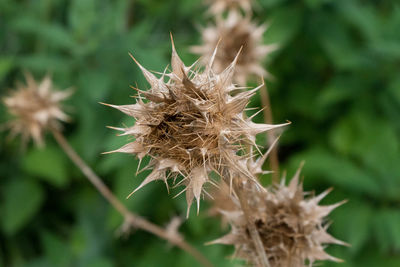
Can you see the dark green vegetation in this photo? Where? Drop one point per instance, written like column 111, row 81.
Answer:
column 337, row 79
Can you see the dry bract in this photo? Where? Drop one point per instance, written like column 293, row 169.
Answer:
column 292, row 227
column 190, row 124
column 36, row 107
column 232, row 33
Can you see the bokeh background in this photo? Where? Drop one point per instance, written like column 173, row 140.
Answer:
column 337, row 79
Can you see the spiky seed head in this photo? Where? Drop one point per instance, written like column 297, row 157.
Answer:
column 220, row 6
column 36, row 107
column 234, row 32
column 190, row 124
column 292, row 227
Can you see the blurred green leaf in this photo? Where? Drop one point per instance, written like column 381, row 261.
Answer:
column 387, row 230
column 56, row 250
column 6, row 63
column 44, row 62
column 353, row 222
column 49, row 34
column 363, row 16
column 341, row 49
column 340, row 89
column 22, row 199
column 100, row 262
column 282, row 30
column 82, row 17
column 48, row 164
column 336, row 78
column 356, row 132
column 394, row 88
column 39, row 262
column 95, row 84
column 270, row 3
column 338, row 171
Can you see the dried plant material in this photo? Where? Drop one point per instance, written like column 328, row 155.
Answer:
column 131, row 220
column 233, row 33
column 190, row 124
column 292, row 227
column 36, row 108
column 220, row 6
column 221, row 200
column 172, row 228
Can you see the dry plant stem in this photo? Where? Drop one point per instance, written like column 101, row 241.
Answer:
column 262, row 256
column 273, row 158
column 133, row 220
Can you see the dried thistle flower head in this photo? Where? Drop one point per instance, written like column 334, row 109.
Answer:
column 220, row 6
column 191, row 125
column 36, row 107
column 292, row 227
column 232, row 33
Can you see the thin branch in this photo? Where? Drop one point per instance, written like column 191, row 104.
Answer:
column 271, row 135
column 262, row 256
column 132, row 219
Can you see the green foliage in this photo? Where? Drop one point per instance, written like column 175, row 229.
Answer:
column 47, row 164
column 336, row 79
column 22, row 200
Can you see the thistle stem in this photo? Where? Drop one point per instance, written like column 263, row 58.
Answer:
column 262, row 256
column 131, row 218
column 271, row 136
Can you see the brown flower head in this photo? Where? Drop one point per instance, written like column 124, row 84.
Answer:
column 190, row 124
column 36, row 107
column 220, row 6
column 292, row 227
column 232, row 33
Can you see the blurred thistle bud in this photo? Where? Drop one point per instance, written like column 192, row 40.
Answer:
column 218, row 7
column 235, row 32
column 292, row 227
column 36, row 108
column 191, row 124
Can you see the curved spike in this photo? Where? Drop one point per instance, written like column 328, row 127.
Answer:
column 294, row 183
column 198, row 178
column 29, row 79
column 130, row 148
column 260, row 161
column 44, row 86
column 176, row 63
column 150, row 77
column 210, row 64
column 256, row 128
column 57, row 96
column 227, row 74
column 133, row 110
column 153, row 176
column 318, row 198
column 228, row 239
column 189, row 201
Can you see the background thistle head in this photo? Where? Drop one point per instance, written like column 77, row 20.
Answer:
column 292, row 226
column 35, row 107
column 232, row 33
